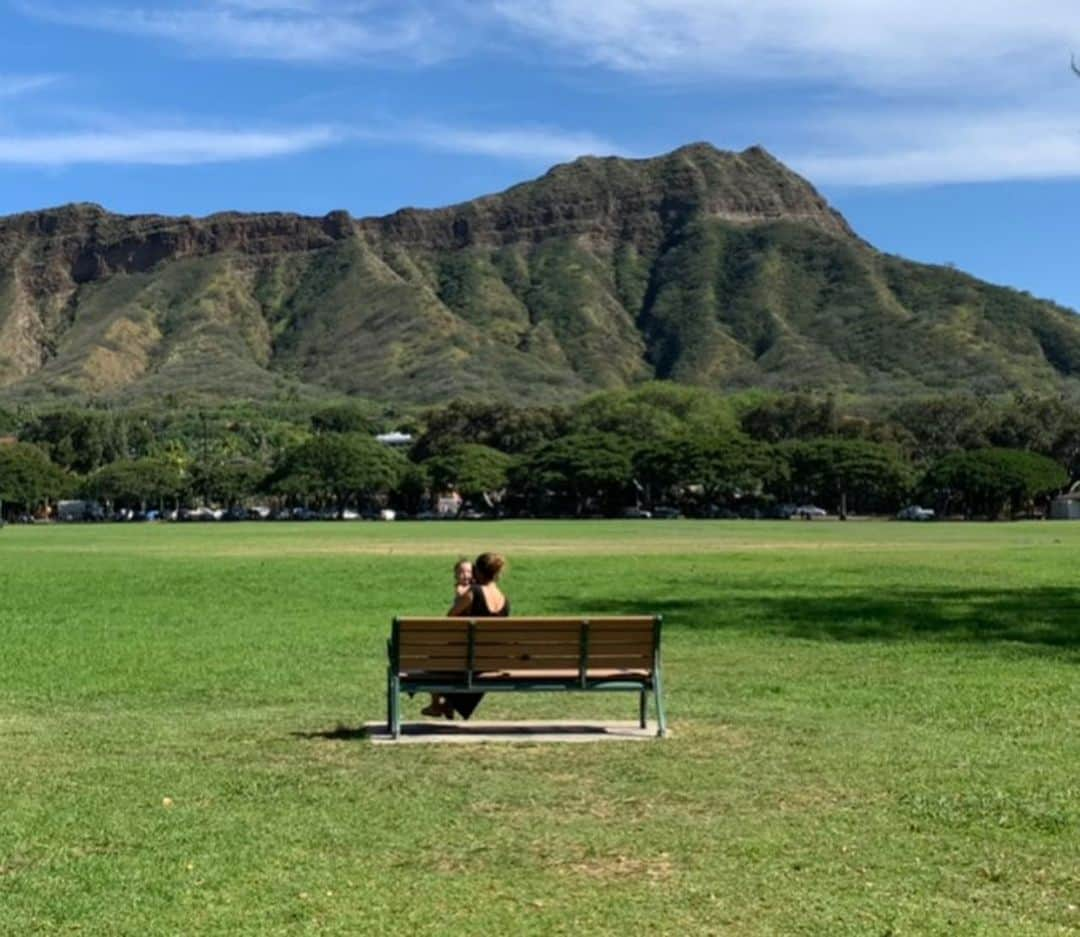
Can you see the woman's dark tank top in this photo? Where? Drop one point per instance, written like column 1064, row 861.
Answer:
column 480, row 607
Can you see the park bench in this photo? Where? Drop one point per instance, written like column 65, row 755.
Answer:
column 495, row 655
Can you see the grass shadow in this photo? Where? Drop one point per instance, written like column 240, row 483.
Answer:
column 1048, row 617
column 338, row 734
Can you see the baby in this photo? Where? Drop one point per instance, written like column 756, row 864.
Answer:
column 462, row 584
column 462, row 578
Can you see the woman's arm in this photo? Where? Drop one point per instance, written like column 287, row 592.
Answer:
column 462, row 604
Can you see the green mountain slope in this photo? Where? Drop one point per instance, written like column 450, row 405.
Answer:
column 705, row 267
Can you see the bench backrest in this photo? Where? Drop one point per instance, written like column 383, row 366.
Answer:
column 475, row 645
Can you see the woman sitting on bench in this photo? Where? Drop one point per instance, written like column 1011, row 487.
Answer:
column 483, row 599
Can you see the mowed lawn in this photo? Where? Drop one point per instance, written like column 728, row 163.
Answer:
column 875, row 730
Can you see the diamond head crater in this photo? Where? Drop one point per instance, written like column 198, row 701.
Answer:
column 724, row 270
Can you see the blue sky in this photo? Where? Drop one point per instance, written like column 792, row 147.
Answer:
column 946, row 133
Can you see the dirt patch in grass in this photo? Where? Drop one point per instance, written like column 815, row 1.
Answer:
column 654, row 870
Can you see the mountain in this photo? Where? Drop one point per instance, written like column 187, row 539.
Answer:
column 702, row 266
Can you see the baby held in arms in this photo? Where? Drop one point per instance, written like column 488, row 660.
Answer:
column 463, row 580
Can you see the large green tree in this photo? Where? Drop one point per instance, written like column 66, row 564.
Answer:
column 619, row 413
column 720, row 466
column 226, row 482
column 508, row 429
column 29, row 479
column 846, row 474
column 991, row 482
column 338, row 468
column 474, row 471
column 343, row 418
column 137, row 483
column 791, row 416
column 80, row 440
column 577, row 470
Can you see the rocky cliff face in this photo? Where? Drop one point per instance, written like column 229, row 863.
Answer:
column 703, row 266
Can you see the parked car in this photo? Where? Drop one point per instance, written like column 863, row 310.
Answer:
column 915, row 513
column 636, row 513
column 783, row 512
column 716, row 512
column 810, row 510
column 666, row 512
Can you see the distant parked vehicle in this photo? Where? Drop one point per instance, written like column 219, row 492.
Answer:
column 717, row 512
column 665, row 512
column 915, row 513
column 636, row 513
column 783, row 512
column 810, row 510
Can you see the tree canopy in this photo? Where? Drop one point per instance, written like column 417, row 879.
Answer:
column 136, row 483
column 28, row 478
column 847, row 474
column 990, row 482
column 339, row 468
column 472, row 470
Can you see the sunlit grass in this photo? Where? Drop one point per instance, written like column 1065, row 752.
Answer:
column 875, row 728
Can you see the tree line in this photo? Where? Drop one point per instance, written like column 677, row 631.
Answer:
column 660, row 443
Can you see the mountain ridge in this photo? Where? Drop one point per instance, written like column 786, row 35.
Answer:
column 702, row 266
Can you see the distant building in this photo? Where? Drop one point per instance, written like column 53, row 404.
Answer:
column 395, row 439
column 1066, row 507
column 448, row 505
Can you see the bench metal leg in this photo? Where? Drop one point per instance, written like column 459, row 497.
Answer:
column 643, row 709
column 389, row 703
column 393, row 705
column 658, row 690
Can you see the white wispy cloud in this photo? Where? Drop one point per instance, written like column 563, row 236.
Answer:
column 13, row 86
column 874, row 150
column 869, row 43
column 115, row 142
column 282, row 30
column 168, row 147
column 935, row 92
column 541, row 144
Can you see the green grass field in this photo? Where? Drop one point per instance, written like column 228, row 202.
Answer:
column 875, row 730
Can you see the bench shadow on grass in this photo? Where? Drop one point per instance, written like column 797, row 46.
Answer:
column 338, row 734
column 1047, row 617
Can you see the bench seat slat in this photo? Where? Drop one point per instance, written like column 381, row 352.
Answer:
column 634, row 645
column 458, row 664
column 565, row 674
column 532, row 621
column 542, row 663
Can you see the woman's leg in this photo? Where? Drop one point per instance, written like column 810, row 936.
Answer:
column 439, row 706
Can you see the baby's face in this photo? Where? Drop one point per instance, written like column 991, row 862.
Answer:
column 464, row 574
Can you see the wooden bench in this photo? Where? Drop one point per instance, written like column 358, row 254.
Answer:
column 496, row 655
